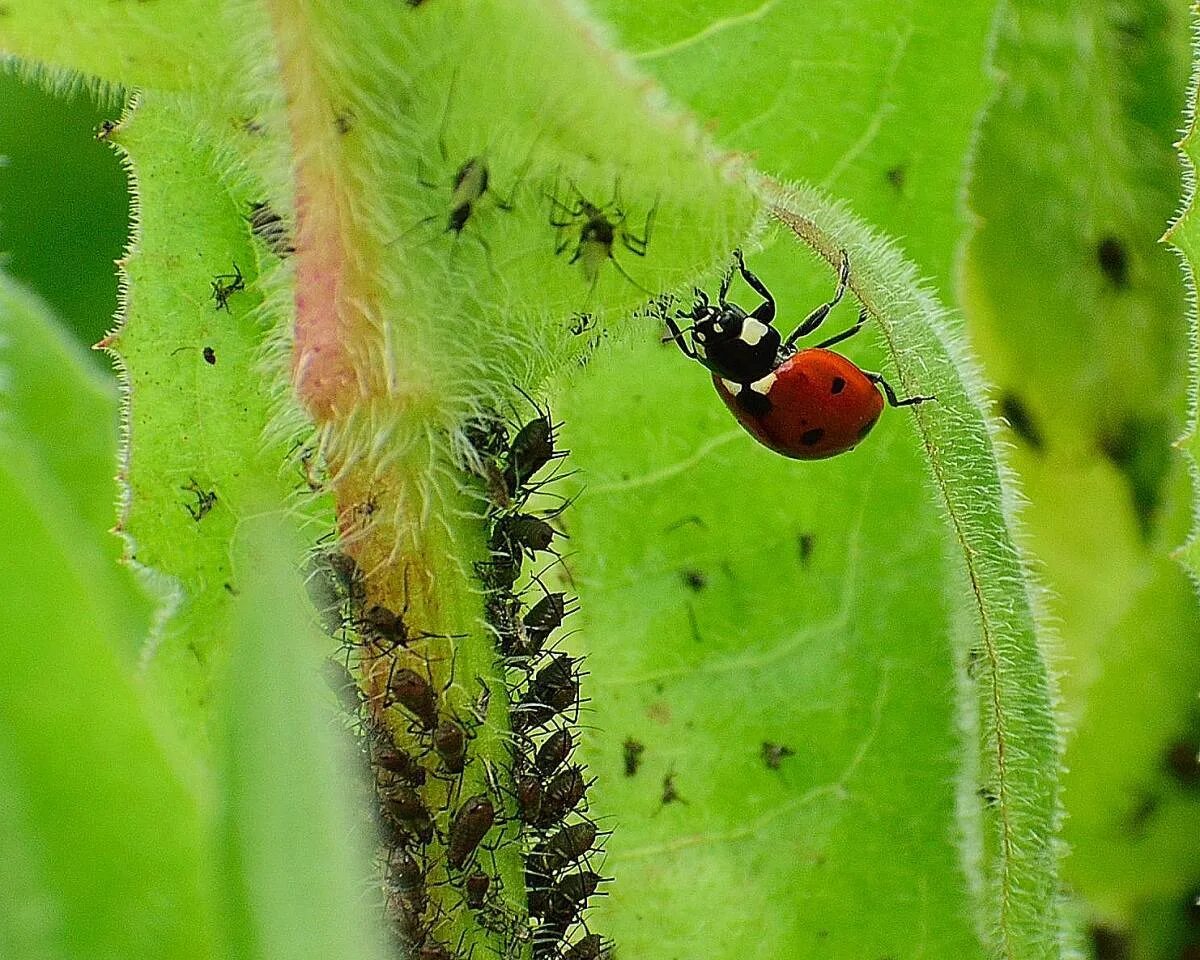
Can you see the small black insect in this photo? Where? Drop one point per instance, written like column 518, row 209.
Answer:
column 205, row 500
column 472, row 822
column 553, row 690
column 521, row 533
column 270, row 228
column 529, row 796
column 632, row 750
column 543, row 618
column 341, row 681
column 562, row 848
column 210, row 356
column 595, row 231
column 225, row 285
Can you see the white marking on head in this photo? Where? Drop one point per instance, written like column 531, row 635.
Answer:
column 752, row 331
column 697, row 334
column 764, row 385
column 731, row 386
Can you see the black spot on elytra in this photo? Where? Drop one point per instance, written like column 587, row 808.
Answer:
column 1113, row 258
column 837, row 386
column 812, row 437
column 1020, row 419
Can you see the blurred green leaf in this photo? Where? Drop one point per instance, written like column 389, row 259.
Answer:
column 102, row 842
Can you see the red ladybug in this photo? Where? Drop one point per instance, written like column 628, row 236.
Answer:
column 807, row 404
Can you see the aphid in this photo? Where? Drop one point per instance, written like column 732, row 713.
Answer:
column 407, row 815
column 1113, row 259
column 670, row 792
column 774, row 754
column 270, row 228
column 399, row 763
column 476, row 886
column 566, row 899
column 472, row 822
column 561, row 796
column 416, row 694
column 404, row 871
column 554, row 690
column 587, row 948
column 349, row 577
column 225, row 285
column 565, row 847
column 517, row 533
column 210, row 356
column 632, row 751
column 529, row 795
column 205, row 500
column 595, row 230
column 500, row 572
column 543, row 618
column 341, row 681
column 695, row 579
column 554, row 752
column 531, row 449
column 805, row 404
column 450, row 742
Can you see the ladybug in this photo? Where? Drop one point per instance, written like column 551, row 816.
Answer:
column 805, row 404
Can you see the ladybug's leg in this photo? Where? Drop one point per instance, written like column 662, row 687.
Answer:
column 817, row 317
column 891, row 394
column 845, row 334
column 676, row 337
column 765, row 311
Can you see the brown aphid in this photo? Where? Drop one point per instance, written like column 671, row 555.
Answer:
column 554, row 752
column 477, row 886
column 472, row 822
column 450, row 742
column 532, row 448
column 416, row 694
column 588, row 948
column 561, row 796
column 406, row 815
column 529, row 794
column 400, row 764
column 565, row 847
column 543, row 618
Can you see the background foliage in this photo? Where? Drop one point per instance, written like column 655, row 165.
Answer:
column 1022, row 156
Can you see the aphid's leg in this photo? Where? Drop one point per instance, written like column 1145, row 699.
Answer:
column 765, row 311
column 817, row 317
column 635, row 244
column 891, row 394
column 845, row 334
column 625, row 273
column 677, row 338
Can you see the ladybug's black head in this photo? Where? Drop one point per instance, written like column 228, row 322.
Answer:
column 732, row 344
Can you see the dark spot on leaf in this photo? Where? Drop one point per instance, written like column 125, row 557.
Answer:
column 805, row 543
column 812, row 437
column 1113, row 258
column 774, row 754
column 670, row 793
column 837, row 386
column 896, row 176
column 1182, row 763
column 1141, row 449
column 1020, row 419
column 210, row 355
column 695, row 579
column 989, row 796
column 1109, row 943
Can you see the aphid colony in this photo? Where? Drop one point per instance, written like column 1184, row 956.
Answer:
column 452, row 843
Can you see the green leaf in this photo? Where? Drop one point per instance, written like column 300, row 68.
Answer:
column 102, row 841
column 295, row 857
column 1080, row 314
column 832, row 617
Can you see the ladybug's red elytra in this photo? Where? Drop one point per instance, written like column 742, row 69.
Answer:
column 805, row 404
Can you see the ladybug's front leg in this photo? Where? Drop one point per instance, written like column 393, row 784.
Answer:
column 677, row 338
column 765, row 311
column 817, row 317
